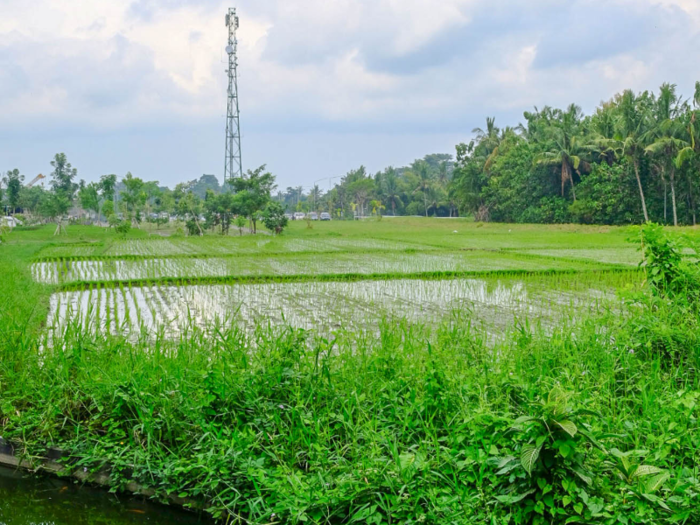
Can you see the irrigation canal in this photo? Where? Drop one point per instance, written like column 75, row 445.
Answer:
column 27, row 499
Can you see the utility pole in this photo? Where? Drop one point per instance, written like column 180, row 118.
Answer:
column 232, row 163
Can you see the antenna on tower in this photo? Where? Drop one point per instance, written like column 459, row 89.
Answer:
column 232, row 163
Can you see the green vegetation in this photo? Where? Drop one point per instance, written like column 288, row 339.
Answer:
column 581, row 412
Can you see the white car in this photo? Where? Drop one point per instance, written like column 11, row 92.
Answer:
column 299, row 216
column 313, row 216
column 325, row 216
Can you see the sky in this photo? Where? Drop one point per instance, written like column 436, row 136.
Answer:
column 325, row 85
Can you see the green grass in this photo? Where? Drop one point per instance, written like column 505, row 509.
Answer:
column 401, row 422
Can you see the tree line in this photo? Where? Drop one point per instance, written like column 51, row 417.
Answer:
column 126, row 203
column 635, row 159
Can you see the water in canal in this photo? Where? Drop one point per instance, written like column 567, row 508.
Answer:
column 33, row 500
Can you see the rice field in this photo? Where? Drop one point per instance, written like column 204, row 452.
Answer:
column 390, row 263
column 352, row 276
column 327, row 306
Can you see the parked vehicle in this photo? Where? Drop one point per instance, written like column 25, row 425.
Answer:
column 325, row 216
column 299, row 216
column 313, row 216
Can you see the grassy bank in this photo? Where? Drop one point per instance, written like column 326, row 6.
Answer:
column 406, row 424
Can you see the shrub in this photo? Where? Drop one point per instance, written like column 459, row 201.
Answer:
column 273, row 217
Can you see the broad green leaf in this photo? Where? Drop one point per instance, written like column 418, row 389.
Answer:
column 655, row 483
column 514, row 499
column 565, row 450
column 406, row 460
column 504, row 461
column 646, row 470
column 586, row 479
column 655, row 499
column 568, row 426
column 528, row 457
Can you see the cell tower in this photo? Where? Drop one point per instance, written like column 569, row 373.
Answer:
column 232, row 165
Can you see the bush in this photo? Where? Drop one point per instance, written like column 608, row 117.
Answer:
column 273, row 217
column 415, row 208
column 123, row 227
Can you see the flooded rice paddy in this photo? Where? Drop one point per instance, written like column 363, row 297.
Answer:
column 307, row 264
column 323, row 306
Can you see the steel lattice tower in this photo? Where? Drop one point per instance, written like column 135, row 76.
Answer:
column 232, row 164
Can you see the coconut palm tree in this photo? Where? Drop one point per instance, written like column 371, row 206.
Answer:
column 633, row 123
column 565, row 147
column 391, row 190
column 425, row 181
column 691, row 151
column 667, row 148
column 665, row 139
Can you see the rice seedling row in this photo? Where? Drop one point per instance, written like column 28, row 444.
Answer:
column 391, row 263
column 324, row 305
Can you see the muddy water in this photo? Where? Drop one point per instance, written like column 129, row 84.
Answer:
column 31, row 500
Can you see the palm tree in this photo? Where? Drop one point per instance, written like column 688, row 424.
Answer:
column 667, row 148
column 489, row 141
column 692, row 150
column 488, row 137
column 315, row 195
column 565, row 147
column 443, row 174
column 633, row 126
column 665, row 139
column 390, row 188
column 425, row 182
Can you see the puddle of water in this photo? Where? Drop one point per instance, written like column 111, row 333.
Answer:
column 32, row 500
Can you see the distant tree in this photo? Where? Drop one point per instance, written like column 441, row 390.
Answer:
column 204, row 184
column 253, row 192
column 220, row 209
column 108, row 184
column 360, row 190
column 390, row 189
column 240, row 223
column 108, row 209
column 565, row 147
column 133, row 196
column 421, row 169
column 89, row 197
column 666, row 139
column 188, row 207
column 274, row 218
column 633, row 127
column 13, row 181
column 55, row 208
column 63, row 175
column 31, row 199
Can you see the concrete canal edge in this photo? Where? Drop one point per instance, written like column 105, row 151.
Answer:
column 49, row 464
